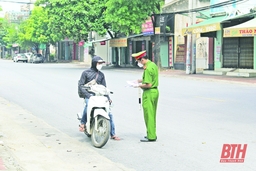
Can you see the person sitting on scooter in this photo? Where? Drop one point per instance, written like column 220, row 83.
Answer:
column 87, row 76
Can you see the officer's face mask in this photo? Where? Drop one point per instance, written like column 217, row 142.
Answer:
column 140, row 64
column 99, row 66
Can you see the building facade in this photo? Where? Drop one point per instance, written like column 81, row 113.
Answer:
column 202, row 48
column 230, row 30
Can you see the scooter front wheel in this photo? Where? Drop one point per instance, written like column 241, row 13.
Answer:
column 100, row 136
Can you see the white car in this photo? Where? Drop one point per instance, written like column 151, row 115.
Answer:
column 20, row 57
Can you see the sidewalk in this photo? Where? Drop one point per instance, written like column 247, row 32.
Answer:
column 227, row 79
column 29, row 144
column 182, row 74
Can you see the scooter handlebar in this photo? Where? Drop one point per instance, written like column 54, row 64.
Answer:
column 98, row 89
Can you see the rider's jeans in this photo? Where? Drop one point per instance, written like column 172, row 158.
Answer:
column 84, row 118
column 112, row 125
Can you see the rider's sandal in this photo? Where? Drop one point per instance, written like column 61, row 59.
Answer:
column 81, row 128
column 115, row 138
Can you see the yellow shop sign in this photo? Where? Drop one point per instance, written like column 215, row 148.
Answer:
column 240, row 32
column 122, row 42
column 201, row 29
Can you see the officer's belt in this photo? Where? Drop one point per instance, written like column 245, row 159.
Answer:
column 150, row 88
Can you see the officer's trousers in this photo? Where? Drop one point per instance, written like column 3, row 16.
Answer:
column 149, row 104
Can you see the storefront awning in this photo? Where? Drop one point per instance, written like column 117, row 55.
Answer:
column 246, row 29
column 208, row 25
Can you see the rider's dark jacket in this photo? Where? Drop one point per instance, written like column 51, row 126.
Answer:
column 88, row 75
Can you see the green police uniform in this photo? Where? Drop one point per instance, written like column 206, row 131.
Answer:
column 150, row 98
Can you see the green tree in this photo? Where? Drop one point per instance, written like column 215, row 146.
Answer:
column 11, row 35
column 8, row 33
column 35, row 30
column 24, row 35
column 98, row 23
column 76, row 19
column 67, row 18
column 127, row 17
column 2, row 30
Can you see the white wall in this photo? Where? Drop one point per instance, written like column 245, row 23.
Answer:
column 87, row 56
column 101, row 50
column 168, row 1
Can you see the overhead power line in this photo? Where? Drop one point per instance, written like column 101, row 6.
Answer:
column 230, row 2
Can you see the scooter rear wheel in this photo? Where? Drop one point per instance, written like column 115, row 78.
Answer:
column 100, row 136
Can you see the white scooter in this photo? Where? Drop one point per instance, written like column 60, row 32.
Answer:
column 98, row 121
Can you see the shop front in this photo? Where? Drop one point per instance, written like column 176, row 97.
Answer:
column 119, row 51
column 208, row 34
column 239, row 50
column 231, row 41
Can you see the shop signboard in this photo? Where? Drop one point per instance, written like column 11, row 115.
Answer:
column 87, row 44
column 240, row 32
column 122, row 42
column 247, row 29
column 147, row 27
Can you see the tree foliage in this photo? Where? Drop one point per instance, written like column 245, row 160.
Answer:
column 10, row 35
column 6, row 29
column 96, row 16
column 75, row 19
column 127, row 16
column 2, row 30
column 67, row 18
column 35, row 30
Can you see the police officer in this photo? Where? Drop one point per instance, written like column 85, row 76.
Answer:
column 149, row 84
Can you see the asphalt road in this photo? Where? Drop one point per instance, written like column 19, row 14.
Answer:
column 195, row 117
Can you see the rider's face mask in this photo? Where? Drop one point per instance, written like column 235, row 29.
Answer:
column 99, row 66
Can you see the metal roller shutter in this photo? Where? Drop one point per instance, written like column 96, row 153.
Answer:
column 230, row 52
column 238, row 52
column 246, row 53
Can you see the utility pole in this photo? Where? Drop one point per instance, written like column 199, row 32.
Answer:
column 157, row 47
column 157, row 38
column 193, row 64
column 189, row 42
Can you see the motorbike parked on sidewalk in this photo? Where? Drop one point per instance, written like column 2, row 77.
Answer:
column 98, row 121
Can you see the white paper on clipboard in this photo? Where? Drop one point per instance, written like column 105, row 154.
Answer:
column 133, row 83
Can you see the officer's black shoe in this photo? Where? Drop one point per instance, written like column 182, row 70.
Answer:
column 147, row 137
column 147, row 140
